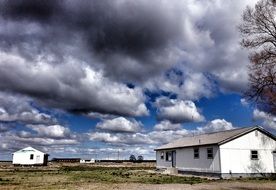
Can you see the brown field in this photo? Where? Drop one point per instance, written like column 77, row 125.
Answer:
column 115, row 176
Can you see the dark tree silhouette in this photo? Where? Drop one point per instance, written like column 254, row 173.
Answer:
column 140, row 158
column 132, row 158
column 258, row 31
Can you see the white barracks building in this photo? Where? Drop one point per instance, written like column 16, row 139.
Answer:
column 233, row 153
column 29, row 156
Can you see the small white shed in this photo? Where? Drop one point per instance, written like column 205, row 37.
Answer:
column 232, row 153
column 91, row 161
column 29, row 156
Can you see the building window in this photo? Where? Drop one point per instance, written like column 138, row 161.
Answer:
column 162, row 155
column 168, row 156
column 256, row 133
column 210, row 153
column 31, row 157
column 254, row 155
column 196, row 153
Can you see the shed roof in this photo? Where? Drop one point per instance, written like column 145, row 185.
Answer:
column 211, row 138
column 28, row 149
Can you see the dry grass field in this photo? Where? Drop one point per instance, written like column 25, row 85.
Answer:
column 114, row 176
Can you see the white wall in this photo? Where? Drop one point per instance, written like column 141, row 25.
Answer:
column 236, row 155
column 23, row 158
column 162, row 163
column 185, row 160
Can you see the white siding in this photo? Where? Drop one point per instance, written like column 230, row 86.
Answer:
column 162, row 163
column 236, row 154
column 185, row 160
column 23, row 158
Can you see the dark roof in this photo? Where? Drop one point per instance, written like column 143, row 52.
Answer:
column 218, row 138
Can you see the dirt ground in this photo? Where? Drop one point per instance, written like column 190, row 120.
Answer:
column 207, row 186
column 138, row 186
column 115, row 176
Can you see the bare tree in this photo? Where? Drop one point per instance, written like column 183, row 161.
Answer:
column 258, row 30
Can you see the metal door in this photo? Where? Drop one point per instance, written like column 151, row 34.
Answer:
column 173, row 158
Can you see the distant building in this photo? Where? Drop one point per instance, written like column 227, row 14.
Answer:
column 70, row 160
column 87, row 161
column 232, row 153
column 29, row 156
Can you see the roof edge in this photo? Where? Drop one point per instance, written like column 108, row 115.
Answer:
column 200, row 145
column 249, row 129
column 29, row 147
column 257, row 127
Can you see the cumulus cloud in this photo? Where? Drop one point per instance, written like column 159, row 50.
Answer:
column 25, row 117
column 45, row 138
column 38, row 141
column 19, row 109
column 80, row 56
column 149, row 140
column 186, row 84
column 166, row 126
column 120, row 124
column 126, row 48
column 109, row 36
column 96, row 115
column 163, row 137
column 244, row 102
column 268, row 120
column 17, row 140
column 4, row 127
column 122, row 132
column 163, row 132
column 177, row 111
column 121, row 138
column 60, row 86
column 215, row 125
column 138, row 139
column 217, row 43
column 166, row 136
column 35, row 128
column 51, row 131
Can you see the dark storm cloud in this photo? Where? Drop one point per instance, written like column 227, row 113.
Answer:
column 66, row 54
column 131, row 39
column 79, row 55
column 41, row 10
column 69, row 85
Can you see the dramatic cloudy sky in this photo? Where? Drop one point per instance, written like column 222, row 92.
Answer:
column 93, row 78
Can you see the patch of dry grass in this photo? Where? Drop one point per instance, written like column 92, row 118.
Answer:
column 99, row 177
column 67, row 177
